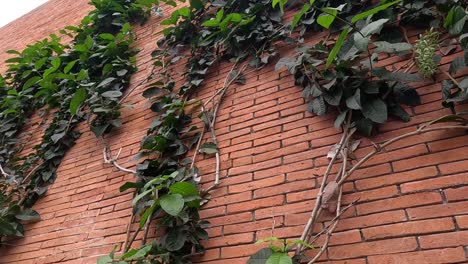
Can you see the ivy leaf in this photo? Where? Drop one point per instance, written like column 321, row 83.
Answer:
column 400, row 48
column 375, row 109
column 77, row 100
column 111, row 94
column 69, row 66
column 288, row 62
column 372, row 11
column 364, row 126
column 55, row 65
column 340, row 119
column 406, row 95
column 337, row 47
column 329, row 15
column 398, row 111
column 317, row 106
column 174, row 239
column 140, row 196
column 373, row 28
column 104, row 260
column 297, row 17
column 56, row 137
column 105, row 82
column 172, row 203
column 384, row 74
column 261, row 256
column 354, row 102
column 457, row 64
column 28, row 214
column 30, row 82
column 150, row 92
column 209, row 148
column 279, row 258
column 183, row 188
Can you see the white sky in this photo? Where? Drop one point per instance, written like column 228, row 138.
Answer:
column 13, row 9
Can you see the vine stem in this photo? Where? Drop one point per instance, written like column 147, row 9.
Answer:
column 3, row 172
column 113, row 160
column 211, row 123
column 318, row 201
column 344, row 174
column 379, row 148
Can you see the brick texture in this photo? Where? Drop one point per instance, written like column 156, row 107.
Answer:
column 413, row 205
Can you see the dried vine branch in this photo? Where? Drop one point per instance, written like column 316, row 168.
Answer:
column 113, row 160
column 343, row 174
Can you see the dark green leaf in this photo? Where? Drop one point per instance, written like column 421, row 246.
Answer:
column 260, row 257
column 77, row 100
column 374, row 109
column 172, row 203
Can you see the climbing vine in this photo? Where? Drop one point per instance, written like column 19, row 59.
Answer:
column 91, row 73
column 340, row 77
column 86, row 80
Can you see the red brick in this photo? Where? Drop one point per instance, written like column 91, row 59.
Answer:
column 373, row 248
column 457, row 194
column 432, row 159
column 406, row 201
column 447, row 255
column 371, row 220
column 396, row 178
column 438, row 210
column 452, row 239
column 255, row 204
column 409, row 228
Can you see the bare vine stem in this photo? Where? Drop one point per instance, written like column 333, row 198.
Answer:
column 343, row 174
column 113, row 160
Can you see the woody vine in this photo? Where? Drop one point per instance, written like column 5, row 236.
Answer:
column 337, row 74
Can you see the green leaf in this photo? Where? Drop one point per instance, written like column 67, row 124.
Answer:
column 147, row 214
column 150, row 92
column 209, row 148
column 69, row 66
column 269, row 239
column 172, row 203
column 55, row 65
column 373, row 28
column 106, row 36
column 384, row 74
column 175, row 239
column 340, row 119
column 106, row 81
column 325, row 20
column 77, row 100
column 56, row 137
column 354, row 102
column 261, row 256
column 128, row 185
column 393, row 48
column 317, row 106
column 111, row 94
column 457, row 64
column 140, row 196
column 279, row 258
column 30, row 82
column 337, row 46
column 28, row 214
column 375, row 109
column 372, row 11
column 104, row 260
column 298, row 15
column 183, row 188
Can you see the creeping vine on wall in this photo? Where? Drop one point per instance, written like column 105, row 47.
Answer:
column 90, row 72
column 340, row 77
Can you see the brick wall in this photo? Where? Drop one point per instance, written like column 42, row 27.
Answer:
column 413, row 198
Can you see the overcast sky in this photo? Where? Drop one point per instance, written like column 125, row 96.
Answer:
column 13, row 9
